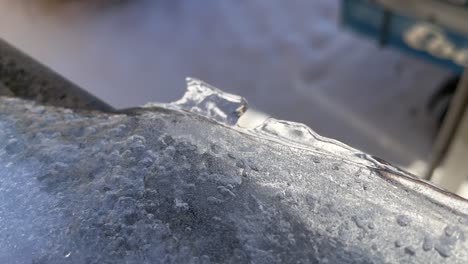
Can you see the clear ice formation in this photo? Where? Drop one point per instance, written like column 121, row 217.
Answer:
column 212, row 103
column 160, row 185
column 205, row 100
column 208, row 101
column 301, row 136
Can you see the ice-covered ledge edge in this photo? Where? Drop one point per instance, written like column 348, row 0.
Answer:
column 224, row 108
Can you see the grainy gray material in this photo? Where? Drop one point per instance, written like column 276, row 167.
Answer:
column 5, row 91
column 162, row 185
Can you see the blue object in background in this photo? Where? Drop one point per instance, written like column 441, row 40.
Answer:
column 426, row 40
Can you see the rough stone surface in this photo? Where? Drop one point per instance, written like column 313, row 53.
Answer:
column 165, row 186
column 24, row 77
column 4, row 90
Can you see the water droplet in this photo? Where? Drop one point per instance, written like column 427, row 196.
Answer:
column 208, row 101
column 403, row 220
column 359, row 222
column 365, row 186
column 13, row 146
column 449, row 231
column 205, row 259
column 463, row 221
column 245, row 173
column 410, row 250
column 178, row 203
column 240, row 164
column 214, row 200
column 215, row 148
column 253, row 167
column 225, row 191
column 428, row 243
column 443, row 250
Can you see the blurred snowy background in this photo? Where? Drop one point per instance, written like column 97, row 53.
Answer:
column 290, row 59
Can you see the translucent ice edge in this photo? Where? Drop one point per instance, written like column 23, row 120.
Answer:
column 214, row 104
column 207, row 101
column 301, row 136
column 210, row 102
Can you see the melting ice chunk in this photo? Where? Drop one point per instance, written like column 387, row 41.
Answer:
column 208, row 101
column 301, row 135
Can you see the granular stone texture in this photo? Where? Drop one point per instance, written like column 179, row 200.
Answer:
column 158, row 185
